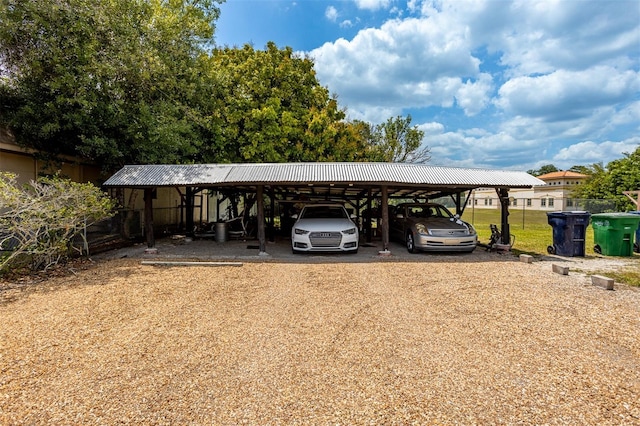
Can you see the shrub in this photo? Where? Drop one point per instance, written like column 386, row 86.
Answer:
column 39, row 220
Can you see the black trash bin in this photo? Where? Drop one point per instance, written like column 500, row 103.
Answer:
column 569, row 232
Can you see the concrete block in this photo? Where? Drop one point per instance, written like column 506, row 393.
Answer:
column 525, row 258
column 562, row 270
column 502, row 247
column 604, row 282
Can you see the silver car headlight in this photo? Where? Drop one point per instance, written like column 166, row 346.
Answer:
column 421, row 229
column 472, row 230
column 349, row 231
column 300, row 231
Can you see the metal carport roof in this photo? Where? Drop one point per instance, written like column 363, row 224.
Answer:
column 349, row 175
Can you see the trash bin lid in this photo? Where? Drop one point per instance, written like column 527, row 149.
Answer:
column 614, row 216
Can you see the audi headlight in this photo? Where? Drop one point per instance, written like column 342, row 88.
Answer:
column 300, row 231
column 349, row 231
column 421, row 229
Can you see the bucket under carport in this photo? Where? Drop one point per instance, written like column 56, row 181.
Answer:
column 221, row 232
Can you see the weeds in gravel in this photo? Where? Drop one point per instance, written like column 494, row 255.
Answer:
column 627, row 276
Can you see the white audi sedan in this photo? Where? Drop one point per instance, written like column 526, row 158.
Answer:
column 324, row 227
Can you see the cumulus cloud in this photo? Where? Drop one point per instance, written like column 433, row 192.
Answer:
column 347, row 23
column 372, row 4
column 331, row 13
column 533, row 79
column 568, row 94
column 405, row 63
column 593, row 152
column 473, row 96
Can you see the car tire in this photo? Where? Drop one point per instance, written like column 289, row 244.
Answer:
column 411, row 243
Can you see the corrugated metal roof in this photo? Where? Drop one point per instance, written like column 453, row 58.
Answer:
column 316, row 173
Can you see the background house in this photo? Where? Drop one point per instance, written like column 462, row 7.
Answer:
column 555, row 195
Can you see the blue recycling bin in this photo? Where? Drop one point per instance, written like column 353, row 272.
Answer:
column 569, row 232
column 636, row 245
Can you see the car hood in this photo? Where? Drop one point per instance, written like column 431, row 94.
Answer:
column 314, row 225
column 440, row 223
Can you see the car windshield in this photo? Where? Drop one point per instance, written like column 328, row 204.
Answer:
column 323, row 212
column 428, row 211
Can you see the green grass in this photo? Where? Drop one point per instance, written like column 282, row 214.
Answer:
column 533, row 234
column 530, row 229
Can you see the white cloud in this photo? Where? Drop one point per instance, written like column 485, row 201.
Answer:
column 372, row 4
column 568, row 94
column 590, row 152
column 535, row 79
column 473, row 96
column 405, row 63
column 331, row 13
column 346, row 24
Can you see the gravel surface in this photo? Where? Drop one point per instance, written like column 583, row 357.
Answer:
column 425, row 343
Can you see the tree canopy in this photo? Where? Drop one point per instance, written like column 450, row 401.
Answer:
column 114, row 81
column 132, row 81
column 395, row 141
column 547, row 168
column 270, row 107
column 609, row 182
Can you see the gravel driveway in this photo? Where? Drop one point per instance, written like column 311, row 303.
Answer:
column 477, row 342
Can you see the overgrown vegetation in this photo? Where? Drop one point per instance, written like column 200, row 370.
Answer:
column 39, row 220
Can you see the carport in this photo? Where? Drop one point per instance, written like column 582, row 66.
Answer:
column 355, row 184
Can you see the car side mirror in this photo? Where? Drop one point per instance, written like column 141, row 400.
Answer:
column 399, row 216
column 294, row 216
column 353, row 217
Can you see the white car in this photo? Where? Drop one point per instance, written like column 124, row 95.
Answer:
column 324, row 227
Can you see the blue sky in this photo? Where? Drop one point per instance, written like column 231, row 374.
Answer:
column 496, row 83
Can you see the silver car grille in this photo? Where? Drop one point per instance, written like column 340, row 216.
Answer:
column 325, row 239
column 449, row 232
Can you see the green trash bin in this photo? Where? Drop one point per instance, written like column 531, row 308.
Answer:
column 613, row 233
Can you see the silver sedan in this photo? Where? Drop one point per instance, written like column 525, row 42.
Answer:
column 430, row 227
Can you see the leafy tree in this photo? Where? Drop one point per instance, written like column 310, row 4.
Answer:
column 117, row 81
column 395, row 141
column 548, row 168
column 270, row 107
column 609, row 182
column 39, row 221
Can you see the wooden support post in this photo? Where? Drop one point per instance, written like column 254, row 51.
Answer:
column 385, row 218
column 261, row 234
column 148, row 217
column 368, row 218
column 503, row 194
column 458, row 207
column 188, row 200
column 272, row 215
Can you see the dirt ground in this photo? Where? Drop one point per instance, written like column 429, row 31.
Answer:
column 429, row 340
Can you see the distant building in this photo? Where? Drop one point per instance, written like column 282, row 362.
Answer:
column 27, row 165
column 556, row 195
